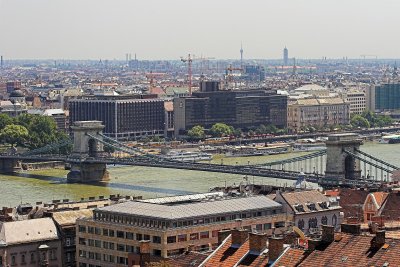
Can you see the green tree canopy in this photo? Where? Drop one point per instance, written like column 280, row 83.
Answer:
column 5, row 120
column 197, row 132
column 221, row 129
column 42, row 130
column 359, row 121
column 14, row 134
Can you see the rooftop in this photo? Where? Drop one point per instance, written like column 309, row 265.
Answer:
column 190, row 210
column 27, row 231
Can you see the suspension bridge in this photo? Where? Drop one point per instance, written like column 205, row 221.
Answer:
column 342, row 163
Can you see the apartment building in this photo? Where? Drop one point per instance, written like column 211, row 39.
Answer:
column 357, row 101
column 170, row 226
column 317, row 112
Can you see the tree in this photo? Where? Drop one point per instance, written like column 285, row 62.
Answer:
column 221, row 129
column 359, row 121
column 42, row 130
column 197, row 132
column 5, row 120
column 14, row 134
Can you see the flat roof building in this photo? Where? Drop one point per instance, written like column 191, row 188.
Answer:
column 114, row 235
column 124, row 117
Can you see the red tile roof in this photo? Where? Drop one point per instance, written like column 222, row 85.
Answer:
column 351, row 201
column 355, row 250
column 227, row 256
column 380, row 197
column 291, row 257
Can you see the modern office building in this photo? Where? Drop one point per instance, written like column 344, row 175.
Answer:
column 317, row 112
column 383, row 97
column 238, row 108
column 170, row 226
column 124, row 117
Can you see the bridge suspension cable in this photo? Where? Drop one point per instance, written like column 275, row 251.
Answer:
column 295, row 159
column 376, row 159
column 48, row 147
column 368, row 162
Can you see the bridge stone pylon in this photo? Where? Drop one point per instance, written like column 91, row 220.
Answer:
column 86, row 148
column 339, row 164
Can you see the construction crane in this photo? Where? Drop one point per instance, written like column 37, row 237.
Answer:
column 189, row 60
column 229, row 74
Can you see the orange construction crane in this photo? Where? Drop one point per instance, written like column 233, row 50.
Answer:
column 189, row 60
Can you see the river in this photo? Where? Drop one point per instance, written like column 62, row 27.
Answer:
column 46, row 185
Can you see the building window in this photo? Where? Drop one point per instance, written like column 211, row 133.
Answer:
column 68, row 259
column 105, row 232
column 120, row 247
column 204, row 235
column 334, row 220
column 300, row 224
column 139, row 237
column 267, row 226
column 279, row 224
column 13, row 261
column 68, row 241
column 82, row 229
column 171, row 239
column 129, row 235
column 182, row 238
column 157, row 239
column 23, row 259
column 32, row 257
column 120, row 234
column 194, row 236
column 324, row 220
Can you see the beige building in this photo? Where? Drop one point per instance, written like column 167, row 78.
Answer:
column 310, row 209
column 317, row 112
column 30, row 243
column 113, row 236
column 357, row 101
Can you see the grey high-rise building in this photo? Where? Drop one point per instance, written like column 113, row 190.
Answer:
column 285, row 56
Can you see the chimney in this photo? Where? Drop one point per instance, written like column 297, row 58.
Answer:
column 144, row 246
column 350, row 228
column 328, row 233
column 379, row 240
column 257, row 242
column 312, row 244
column 222, row 235
column 275, row 247
column 239, row 236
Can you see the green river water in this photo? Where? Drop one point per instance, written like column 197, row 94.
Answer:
column 45, row 185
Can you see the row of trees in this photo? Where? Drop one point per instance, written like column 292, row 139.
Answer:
column 31, row 131
column 222, row 129
column 369, row 119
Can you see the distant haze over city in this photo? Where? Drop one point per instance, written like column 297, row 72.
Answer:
column 157, row 29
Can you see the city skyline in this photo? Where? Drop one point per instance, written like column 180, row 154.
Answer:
column 61, row 29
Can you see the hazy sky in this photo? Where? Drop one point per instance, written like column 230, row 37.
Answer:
column 168, row 29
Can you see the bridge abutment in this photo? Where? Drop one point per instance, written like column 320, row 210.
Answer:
column 340, row 165
column 86, row 147
column 9, row 165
